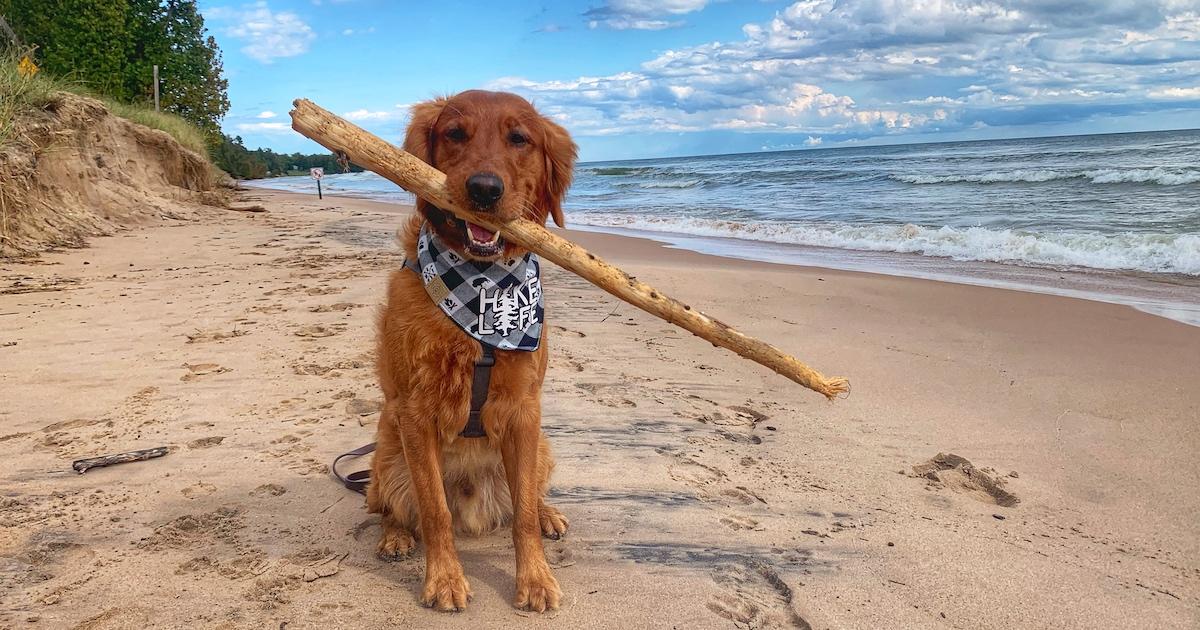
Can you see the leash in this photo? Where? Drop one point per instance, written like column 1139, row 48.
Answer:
column 480, row 381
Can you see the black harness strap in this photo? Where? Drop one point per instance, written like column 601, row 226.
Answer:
column 479, row 393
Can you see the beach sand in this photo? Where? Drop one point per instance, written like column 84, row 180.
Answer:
column 703, row 490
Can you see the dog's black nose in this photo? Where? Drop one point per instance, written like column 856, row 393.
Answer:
column 485, row 189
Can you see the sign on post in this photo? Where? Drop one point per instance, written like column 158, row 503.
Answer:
column 317, row 173
column 26, row 67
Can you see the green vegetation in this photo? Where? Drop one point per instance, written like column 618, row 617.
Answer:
column 19, row 92
column 183, row 131
column 243, row 163
column 109, row 47
column 23, row 93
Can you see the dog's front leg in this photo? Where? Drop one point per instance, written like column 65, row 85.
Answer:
column 445, row 586
column 536, row 587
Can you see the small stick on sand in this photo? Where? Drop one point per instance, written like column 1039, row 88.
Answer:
column 410, row 173
column 83, row 465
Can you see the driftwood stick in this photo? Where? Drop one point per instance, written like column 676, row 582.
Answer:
column 410, row 173
column 83, row 465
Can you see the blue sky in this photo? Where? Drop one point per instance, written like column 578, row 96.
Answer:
column 635, row 78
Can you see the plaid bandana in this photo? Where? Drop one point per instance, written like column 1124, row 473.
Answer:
column 498, row 303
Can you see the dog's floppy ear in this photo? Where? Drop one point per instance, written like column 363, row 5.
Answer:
column 560, row 152
column 424, row 116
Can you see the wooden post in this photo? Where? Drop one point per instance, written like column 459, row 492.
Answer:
column 156, row 88
column 319, row 190
column 410, row 173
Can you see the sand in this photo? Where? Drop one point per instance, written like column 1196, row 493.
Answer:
column 1005, row 460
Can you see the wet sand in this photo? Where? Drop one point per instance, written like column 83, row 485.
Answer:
column 703, row 491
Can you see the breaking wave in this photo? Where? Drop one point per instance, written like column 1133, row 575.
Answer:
column 1159, row 175
column 1158, row 253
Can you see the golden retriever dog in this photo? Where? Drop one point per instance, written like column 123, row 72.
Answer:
column 502, row 158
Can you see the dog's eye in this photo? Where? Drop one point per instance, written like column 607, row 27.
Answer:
column 456, row 134
column 517, row 138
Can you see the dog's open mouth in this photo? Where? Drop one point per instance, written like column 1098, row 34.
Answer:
column 482, row 242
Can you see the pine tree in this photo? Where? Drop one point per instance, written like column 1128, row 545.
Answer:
column 193, row 85
column 505, row 315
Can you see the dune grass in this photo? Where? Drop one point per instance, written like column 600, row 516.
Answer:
column 183, row 131
column 21, row 93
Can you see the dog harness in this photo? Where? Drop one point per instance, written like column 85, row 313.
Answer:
column 499, row 304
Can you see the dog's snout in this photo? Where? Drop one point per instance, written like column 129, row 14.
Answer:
column 485, row 189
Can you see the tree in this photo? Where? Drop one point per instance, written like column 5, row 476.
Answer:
column 111, row 46
column 193, row 86
column 75, row 38
column 147, row 44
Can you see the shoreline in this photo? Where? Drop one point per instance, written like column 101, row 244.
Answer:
column 1161, row 295
column 702, row 490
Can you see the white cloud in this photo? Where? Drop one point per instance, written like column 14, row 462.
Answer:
column 365, row 114
column 1177, row 92
column 889, row 66
column 269, row 35
column 264, row 127
column 266, row 114
column 813, row 141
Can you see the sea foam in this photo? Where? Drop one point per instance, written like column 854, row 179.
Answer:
column 1159, row 253
column 1157, row 175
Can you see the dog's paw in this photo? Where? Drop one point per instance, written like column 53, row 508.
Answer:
column 538, row 591
column 396, row 544
column 554, row 524
column 446, row 590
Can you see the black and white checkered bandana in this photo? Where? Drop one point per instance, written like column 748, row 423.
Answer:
column 498, row 303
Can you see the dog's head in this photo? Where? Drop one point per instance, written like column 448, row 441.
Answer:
column 500, row 156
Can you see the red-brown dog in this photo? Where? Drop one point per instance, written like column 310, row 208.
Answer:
column 502, row 158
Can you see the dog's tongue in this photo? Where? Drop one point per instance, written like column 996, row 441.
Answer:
column 480, row 234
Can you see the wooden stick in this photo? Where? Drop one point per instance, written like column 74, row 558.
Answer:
column 428, row 183
column 83, row 465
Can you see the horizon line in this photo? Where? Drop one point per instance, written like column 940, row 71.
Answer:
column 896, row 144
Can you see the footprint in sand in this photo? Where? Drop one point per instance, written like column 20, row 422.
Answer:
column 600, row 395
column 363, row 407
column 203, row 336
column 197, row 370
column 739, row 522
column 199, row 489
column 742, row 495
column 268, row 490
column 754, row 596
column 694, row 473
column 207, row 442
column 339, row 306
column 324, row 290
column 317, row 331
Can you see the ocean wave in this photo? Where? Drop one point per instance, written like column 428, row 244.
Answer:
column 620, row 171
column 1158, row 175
column 684, row 183
column 1157, row 253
